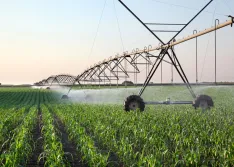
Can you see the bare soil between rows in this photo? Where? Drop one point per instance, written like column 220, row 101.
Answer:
column 69, row 148
column 38, row 144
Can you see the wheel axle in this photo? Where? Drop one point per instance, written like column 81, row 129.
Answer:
column 135, row 102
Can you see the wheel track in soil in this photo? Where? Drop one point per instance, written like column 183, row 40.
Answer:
column 38, row 140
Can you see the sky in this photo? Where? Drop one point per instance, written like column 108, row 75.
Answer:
column 39, row 38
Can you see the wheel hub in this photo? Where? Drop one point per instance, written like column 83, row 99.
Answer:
column 134, row 102
column 203, row 105
column 133, row 105
column 204, row 102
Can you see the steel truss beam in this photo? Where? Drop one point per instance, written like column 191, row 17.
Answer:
column 61, row 79
column 169, row 46
column 176, row 42
column 114, row 69
column 98, row 72
column 64, row 79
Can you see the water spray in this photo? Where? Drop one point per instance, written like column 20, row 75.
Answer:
column 113, row 68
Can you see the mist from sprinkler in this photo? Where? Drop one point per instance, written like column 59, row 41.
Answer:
column 98, row 96
column 118, row 95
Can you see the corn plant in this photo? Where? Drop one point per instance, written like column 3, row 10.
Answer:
column 85, row 144
column 167, row 137
column 21, row 146
column 53, row 149
column 9, row 121
column 160, row 136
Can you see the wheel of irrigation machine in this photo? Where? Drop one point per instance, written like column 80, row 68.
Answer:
column 65, row 97
column 204, row 102
column 47, row 87
column 134, row 102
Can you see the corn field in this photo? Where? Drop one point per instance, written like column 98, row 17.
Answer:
column 37, row 128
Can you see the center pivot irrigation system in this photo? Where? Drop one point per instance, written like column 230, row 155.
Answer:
column 61, row 79
column 113, row 68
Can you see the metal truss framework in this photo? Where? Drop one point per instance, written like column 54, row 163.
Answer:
column 113, row 68
column 122, row 66
column 61, row 79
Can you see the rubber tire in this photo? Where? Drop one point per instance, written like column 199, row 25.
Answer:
column 65, row 97
column 201, row 98
column 134, row 98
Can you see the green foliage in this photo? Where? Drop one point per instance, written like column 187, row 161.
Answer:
column 53, row 149
column 162, row 135
column 85, row 144
column 105, row 135
column 20, row 147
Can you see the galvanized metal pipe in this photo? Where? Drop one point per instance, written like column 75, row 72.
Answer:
column 174, row 43
column 219, row 26
column 168, row 102
column 195, row 31
column 216, row 22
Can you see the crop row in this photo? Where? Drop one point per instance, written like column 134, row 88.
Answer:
column 167, row 137
column 104, row 135
column 21, row 143
column 85, row 144
column 17, row 124
column 16, row 98
column 9, row 121
column 53, row 149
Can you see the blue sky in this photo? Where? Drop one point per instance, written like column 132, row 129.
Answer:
column 46, row 37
